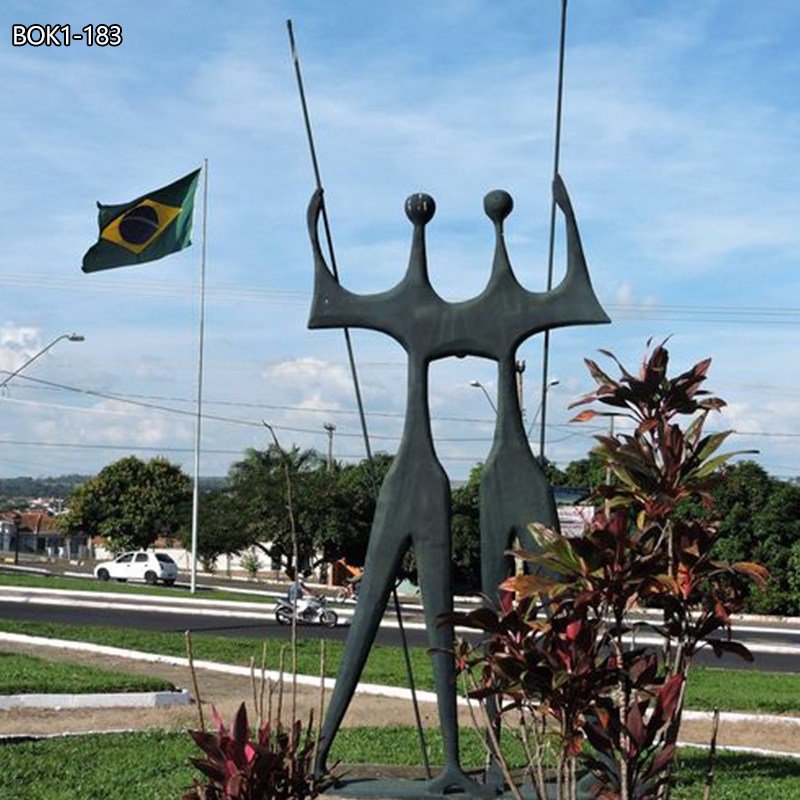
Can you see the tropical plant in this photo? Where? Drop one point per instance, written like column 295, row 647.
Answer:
column 559, row 657
column 251, row 564
column 273, row 764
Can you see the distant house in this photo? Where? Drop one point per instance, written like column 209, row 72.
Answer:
column 37, row 533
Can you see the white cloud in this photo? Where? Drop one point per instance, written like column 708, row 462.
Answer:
column 18, row 343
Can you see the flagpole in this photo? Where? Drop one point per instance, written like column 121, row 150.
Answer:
column 198, row 430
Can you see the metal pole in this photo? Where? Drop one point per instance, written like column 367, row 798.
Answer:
column 410, row 673
column 556, row 156
column 550, row 385
column 479, row 385
column 198, row 430
column 350, row 356
column 73, row 337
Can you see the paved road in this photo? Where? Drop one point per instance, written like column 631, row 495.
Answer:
column 126, row 618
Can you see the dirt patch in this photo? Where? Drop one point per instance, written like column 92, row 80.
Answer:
column 225, row 691
column 228, row 691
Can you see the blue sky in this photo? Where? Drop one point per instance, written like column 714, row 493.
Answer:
column 680, row 150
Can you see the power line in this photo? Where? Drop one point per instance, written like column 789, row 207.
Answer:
column 741, row 314
column 223, row 451
column 584, row 430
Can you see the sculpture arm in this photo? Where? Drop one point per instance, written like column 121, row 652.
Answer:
column 332, row 305
column 573, row 301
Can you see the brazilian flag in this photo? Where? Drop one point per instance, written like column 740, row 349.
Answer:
column 150, row 227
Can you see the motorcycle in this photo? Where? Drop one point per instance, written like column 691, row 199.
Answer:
column 315, row 612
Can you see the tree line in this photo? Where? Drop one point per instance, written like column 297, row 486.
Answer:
column 133, row 502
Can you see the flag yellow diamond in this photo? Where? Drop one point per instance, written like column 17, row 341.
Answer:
column 140, row 226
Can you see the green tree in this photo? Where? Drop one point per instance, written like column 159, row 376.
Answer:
column 776, row 528
column 333, row 510
column 220, row 530
column 259, row 492
column 131, row 503
column 351, row 497
column 467, row 534
column 744, row 490
column 760, row 521
column 585, row 473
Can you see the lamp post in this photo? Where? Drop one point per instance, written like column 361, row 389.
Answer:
column 478, row 385
column 549, row 386
column 72, row 337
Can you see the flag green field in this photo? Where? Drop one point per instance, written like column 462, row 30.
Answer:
column 152, row 226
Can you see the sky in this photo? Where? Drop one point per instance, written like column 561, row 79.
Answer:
column 680, row 150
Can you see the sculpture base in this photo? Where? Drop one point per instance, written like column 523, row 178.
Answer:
column 417, row 789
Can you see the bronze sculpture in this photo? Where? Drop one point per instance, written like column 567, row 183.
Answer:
column 414, row 501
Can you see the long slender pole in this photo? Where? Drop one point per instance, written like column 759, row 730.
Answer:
column 329, row 241
column 412, row 685
column 556, row 156
column 351, row 357
column 198, row 429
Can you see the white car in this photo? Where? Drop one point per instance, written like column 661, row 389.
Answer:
column 139, row 565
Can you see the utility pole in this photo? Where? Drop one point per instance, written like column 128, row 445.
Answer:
column 330, row 428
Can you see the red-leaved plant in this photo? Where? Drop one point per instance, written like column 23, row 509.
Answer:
column 273, row 764
column 560, row 659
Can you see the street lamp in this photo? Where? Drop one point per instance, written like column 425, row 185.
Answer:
column 478, row 385
column 539, row 407
column 72, row 337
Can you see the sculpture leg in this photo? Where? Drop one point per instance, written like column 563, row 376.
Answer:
column 513, row 494
column 433, row 565
column 388, row 541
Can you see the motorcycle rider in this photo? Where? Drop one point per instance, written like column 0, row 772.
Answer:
column 300, row 594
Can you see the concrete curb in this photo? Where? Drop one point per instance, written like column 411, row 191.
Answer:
column 736, row 748
column 163, row 699
column 741, row 717
column 21, row 738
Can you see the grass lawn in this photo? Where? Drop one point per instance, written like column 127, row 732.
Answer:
column 743, row 690
column 385, row 664
column 133, row 766
column 92, row 585
column 21, row 674
column 732, row 690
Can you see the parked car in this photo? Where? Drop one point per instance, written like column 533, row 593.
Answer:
column 139, row 565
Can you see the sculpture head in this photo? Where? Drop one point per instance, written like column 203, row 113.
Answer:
column 420, row 208
column 498, row 204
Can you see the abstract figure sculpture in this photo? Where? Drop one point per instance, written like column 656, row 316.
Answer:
column 414, row 502
column 514, row 490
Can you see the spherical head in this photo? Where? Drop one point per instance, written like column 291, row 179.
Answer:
column 497, row 205
column 420, row 208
